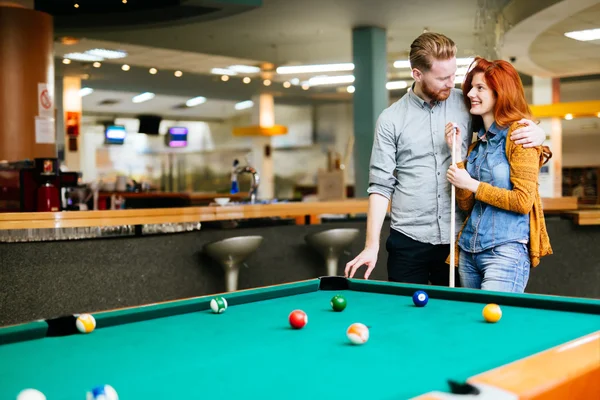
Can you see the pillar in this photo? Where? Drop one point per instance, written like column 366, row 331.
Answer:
column 547, row 91
column 27, row 110
column 263, row 114
column 71, row 110
column 370, row 97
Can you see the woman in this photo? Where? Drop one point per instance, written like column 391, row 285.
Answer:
column 504, row 234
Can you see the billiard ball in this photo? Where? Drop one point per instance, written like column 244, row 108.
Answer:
column 357, row 333
column 102, row 392
column 85, row 323
column 298, row 319
column 420, row 298
column 218, row 305
column 492, row 313
column 31, row 394
column 338, row 302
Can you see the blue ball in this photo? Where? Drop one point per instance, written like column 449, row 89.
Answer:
column 102, row 392
column 420, row 298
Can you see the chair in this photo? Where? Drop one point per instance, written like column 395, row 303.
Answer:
column 230, row 253
column 330, row 244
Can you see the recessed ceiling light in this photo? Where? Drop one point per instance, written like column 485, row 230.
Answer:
column 195, row 101
column 85, row 91
column 76, row 5
column 267, row 82
column 286, row 84
column 125, row 67
column 246, row 80
column 307, row 69
column 140, row 98
column 178, row 74
column 305, row 87
column 585, row 35
column 153, row 71
column 97, row 64
column 105, row 53
column 83, row 57
column 350, row 89
column 569, row 117
column 225, row 78
column 66, row 61
column 124, row 1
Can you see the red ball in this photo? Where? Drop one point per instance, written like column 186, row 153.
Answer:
column 298, row 319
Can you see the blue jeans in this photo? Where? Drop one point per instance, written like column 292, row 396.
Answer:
column 504, row 268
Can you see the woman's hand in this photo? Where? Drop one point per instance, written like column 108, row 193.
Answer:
column 461, row 179
column 450, row 129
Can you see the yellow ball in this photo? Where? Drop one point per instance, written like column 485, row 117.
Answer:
column 492, row 313
column 86, row 323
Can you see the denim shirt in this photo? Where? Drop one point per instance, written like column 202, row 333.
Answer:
column 489, row 226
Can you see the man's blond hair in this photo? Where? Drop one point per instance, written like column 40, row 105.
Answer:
column 429, row 47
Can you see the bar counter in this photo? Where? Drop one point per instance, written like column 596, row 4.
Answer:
column 300, row 211
column 56, row 264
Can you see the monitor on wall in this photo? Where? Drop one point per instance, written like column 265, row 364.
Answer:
column 176, row 137
column 115, row 134
column 149, row 124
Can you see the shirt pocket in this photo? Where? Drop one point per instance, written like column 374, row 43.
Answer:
column 499, row 168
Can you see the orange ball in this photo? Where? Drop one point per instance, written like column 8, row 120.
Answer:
column 492, row 313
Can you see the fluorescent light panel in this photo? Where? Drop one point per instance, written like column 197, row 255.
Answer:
column 585, row 35
column 85, row 91
column 307, row 69
column 140, row 98
column 105, row 53
column 223, row 71
column 82, row 57
column 244, row 69
column 330, row 80
column 242, row 105
column 195, row 101
column 459, row 62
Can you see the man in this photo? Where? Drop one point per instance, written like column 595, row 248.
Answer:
column 409, row 161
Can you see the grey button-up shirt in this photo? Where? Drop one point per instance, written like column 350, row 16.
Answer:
column 409, row 161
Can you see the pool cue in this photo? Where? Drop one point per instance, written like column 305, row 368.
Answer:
column 452, row 214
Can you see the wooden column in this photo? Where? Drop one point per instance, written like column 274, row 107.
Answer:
column 26, row 83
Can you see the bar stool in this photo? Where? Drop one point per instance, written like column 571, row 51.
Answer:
column 230, row 253
column 330, row 244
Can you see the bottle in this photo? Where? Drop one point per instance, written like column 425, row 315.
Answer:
column 234, row 183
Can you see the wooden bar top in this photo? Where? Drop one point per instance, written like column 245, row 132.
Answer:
column 73, row 219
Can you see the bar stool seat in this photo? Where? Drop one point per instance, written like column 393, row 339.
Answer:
column 231, row 253
column 330, row 244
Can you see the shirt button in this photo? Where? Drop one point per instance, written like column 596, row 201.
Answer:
column 440, row 217
column 438, row 173
column 439, row 196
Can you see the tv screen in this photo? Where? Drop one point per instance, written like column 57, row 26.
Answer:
column 176, row 137
column 115, row 134
column 149, row 124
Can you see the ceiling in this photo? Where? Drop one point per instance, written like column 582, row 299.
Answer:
column 585, row 56
column 119, row 103
column 270, row 33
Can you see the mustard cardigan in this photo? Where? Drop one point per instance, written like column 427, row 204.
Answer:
column 524, row 198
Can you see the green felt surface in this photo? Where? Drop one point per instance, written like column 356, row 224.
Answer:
column 251, row 352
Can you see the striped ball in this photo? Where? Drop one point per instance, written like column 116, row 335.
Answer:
column 218, row 305
column 102, row 392
column 86, row 323
column 358, row 333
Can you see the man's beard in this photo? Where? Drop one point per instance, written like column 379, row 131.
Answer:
column 440, row 95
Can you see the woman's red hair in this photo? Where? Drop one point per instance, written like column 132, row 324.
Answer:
column 504, row 80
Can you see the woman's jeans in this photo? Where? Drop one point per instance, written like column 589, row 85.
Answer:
column 504, row 268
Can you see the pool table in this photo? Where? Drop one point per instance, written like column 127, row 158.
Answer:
column 543, row 347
